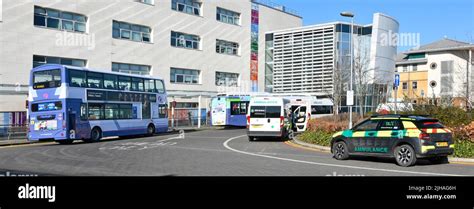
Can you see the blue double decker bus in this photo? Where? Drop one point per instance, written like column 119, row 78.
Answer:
column 68, row 103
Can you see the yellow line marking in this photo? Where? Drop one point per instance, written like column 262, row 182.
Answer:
column 289, row 143
column 462, row 163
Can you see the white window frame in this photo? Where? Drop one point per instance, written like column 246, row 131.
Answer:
column 186, row 6
column 151, row 2
column 181, row 37
column 227, row 45
column 228, row 79
column 74, row 22
column 235, row 19
column 133, row 31
column 185, row 76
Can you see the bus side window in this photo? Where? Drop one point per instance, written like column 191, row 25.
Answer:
column 160, row 87
column 83, row 111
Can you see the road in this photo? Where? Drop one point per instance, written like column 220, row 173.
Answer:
column 200, row 153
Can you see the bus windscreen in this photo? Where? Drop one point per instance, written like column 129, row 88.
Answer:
column 47, row 79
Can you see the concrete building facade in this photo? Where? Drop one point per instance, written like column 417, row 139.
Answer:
column 316, row 59
column 197, row 47
column 438, row 73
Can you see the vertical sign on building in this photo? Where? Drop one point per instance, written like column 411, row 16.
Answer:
column 254, row 48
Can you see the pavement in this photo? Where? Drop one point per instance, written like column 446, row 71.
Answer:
column 220, row 152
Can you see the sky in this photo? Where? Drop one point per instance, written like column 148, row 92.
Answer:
column 432, row 19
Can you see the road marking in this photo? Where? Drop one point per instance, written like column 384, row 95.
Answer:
column 328, row 164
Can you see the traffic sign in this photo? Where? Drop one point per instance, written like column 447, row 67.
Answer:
column 397, row 80
column 350, row 98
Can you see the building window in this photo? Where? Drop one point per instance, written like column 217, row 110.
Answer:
column 67, row 21
column 131, row 68
column 187, row 76
column 39, row 60
column 186, row 105
column 404, row 85
column 405, row 68
column 228, row 16
column 227, row 79
column 414, row 85
column 187, row 6
column 415, row 67
column 150, row 2
column 227, row 47
column 133, row 32
column 185, row 40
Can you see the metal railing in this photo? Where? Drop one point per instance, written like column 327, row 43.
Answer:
column 13, row 132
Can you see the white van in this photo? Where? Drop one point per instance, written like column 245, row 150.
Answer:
column 268, row 117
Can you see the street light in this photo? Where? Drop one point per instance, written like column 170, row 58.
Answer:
column 351, row 15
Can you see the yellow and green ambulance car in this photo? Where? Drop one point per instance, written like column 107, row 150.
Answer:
column 404, row 137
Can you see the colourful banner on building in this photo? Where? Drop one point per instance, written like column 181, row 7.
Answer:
column 254, row 48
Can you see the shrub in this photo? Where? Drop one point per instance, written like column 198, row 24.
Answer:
column 464, row 149
column 318, row 137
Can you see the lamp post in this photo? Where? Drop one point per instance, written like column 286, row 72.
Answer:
column 351, row 15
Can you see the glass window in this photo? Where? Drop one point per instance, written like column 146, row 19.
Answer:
column 160, row 86
column 404, row 85
column 184, row 76
column 47, row 79
column 77, row 78
column 227, row 47
column 41, row 60
column 110, row 81
column 227, row 79
column 53, row 23
column 238, row 108
column 389, row 125
column 112, row 111
column 61, row 20
column 150, row 86
column 257, row 112
column 273, row 111
column 228, row 16
column 96, row 112
column 95, row 80
column 415, row 85
column 137, row 84
column 131, row 68
column 124, row 83
column 187, row 6
column 80, row 27
column 125, row 111
column 185, row 40
column 132, row 32
column 68, row 25
column 367, row 125
column 163, row 111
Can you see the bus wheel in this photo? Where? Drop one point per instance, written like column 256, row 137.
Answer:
column 150, row 130
column 65, row 142
column 96, row 134
column 251, row 138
